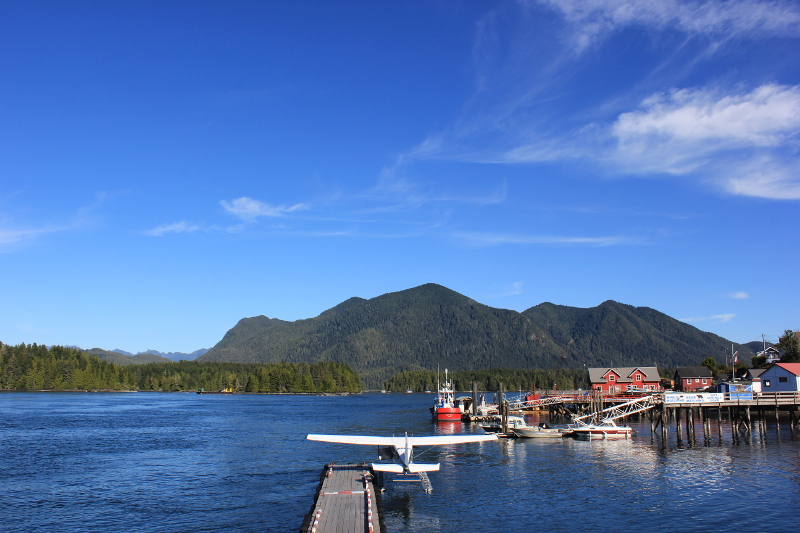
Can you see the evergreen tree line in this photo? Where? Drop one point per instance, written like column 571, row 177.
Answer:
column 490, row 379
column 37, row 367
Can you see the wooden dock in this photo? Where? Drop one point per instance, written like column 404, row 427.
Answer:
column 346, row 502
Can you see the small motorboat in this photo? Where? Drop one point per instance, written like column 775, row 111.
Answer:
column 542, row 431
column 495, row 424
column 604, row 430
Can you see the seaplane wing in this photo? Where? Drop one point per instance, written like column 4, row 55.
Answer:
column 434, row 440
column 355, row 439
column 403, row 449
column 439, row 440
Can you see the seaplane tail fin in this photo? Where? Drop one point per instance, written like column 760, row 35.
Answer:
column 416, row 468
column 381, row 467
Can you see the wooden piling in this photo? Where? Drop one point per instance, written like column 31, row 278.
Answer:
column 475, row 398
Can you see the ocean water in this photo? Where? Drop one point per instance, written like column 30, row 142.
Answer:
column 180, row 462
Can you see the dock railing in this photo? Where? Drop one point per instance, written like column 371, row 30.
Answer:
column 752, row 398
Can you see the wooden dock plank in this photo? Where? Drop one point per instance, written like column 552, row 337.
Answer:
column 346, row 502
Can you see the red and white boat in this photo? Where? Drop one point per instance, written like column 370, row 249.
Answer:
column 607, row 430
column 446, row 408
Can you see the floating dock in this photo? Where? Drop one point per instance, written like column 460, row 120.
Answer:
column 346, row 502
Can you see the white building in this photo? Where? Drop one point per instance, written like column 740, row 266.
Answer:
column 782, row 377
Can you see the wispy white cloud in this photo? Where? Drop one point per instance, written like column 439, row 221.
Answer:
column 767, row 116
column 250, row 210
column 742, row 140
column 591, row 20
column 745, row 141
column 12, row 235
column 176, row 227
column 513, row 290
column 497, row 239
column 720, row 319
column 741, row 295
column 18, row 236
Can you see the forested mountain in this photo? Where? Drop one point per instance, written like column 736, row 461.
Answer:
column 122, row 359
column 430, row 325
column 177, row 356
column 172, row 356
column 615, row 334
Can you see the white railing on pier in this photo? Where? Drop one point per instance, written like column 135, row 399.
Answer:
column 527, row 404
column 619, row 411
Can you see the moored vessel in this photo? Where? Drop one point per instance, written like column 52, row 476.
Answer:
column 446, row 408
column 607, row 430
column 542, row 431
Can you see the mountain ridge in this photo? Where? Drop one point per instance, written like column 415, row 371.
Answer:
column 430, row 325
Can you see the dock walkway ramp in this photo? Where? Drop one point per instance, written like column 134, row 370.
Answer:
column 346, row 502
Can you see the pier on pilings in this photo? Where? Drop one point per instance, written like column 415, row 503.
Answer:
column 744, row 411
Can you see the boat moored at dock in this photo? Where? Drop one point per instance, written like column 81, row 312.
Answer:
column 542, row 431
column 446, row 408
column 601, row 431
column 495, row 424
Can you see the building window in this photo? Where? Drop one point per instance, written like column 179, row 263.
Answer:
column 638, row 377
column 783, row 379
column 611, row 378
column 766, row 383
column 697, row 380
column 704, row 381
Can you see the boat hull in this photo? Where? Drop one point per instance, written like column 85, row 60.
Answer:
column 602, row 432
column 447, row 414
column 539, row 433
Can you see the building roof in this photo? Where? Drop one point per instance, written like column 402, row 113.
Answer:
column 755, row 372
column 794, row 368
column 693, row 372
column 624, row 373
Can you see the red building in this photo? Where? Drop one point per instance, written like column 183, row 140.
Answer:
column 623, row 378
column 692, row 378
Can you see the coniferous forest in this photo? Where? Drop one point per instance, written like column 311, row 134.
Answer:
column 490, row 379
column 37, row 367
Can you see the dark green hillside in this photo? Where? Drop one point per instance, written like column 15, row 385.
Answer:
column 412, row 329
column 256, row 336
column 615, row 334
column 431, row 325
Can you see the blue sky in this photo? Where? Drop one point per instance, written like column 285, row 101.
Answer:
column 168, row 168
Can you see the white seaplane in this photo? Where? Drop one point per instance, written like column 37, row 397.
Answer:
column 401, row 449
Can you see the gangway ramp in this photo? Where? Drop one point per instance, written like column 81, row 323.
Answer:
column 622, row 410
column 541, row 402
